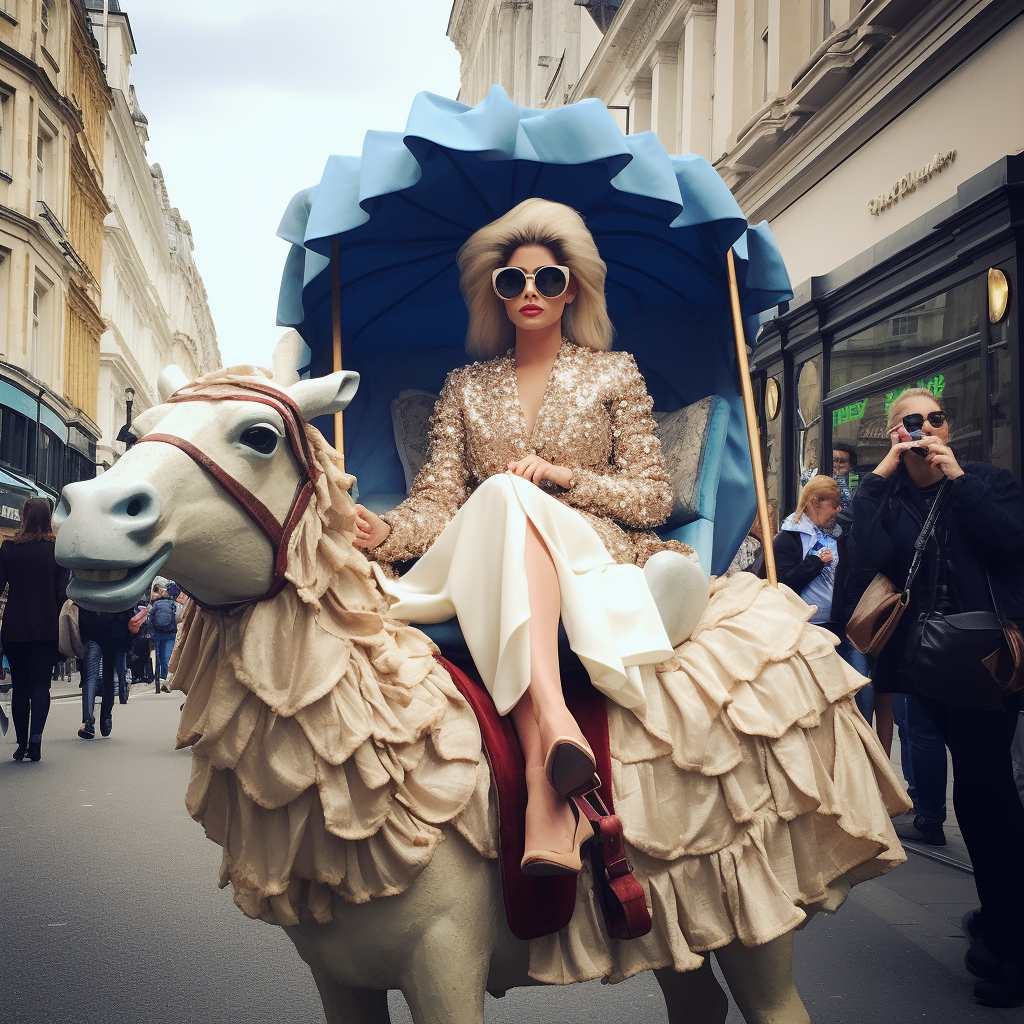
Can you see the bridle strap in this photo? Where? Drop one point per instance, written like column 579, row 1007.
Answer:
column 277, row 533
column 258, row 512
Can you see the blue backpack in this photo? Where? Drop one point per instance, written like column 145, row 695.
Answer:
column 163, row 616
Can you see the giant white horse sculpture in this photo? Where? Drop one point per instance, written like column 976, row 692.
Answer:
column 332, row 754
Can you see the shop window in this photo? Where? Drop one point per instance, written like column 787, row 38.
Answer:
column 17, row 440
column 863, row 422
column 808, row 419
column 951, row 316
column 50, row 465
column 772, row 440
column 1000, row 402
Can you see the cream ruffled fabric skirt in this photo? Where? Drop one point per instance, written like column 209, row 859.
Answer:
column 751, row 791
column 476, row 570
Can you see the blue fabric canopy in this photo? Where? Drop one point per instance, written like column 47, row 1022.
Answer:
column 400, row 212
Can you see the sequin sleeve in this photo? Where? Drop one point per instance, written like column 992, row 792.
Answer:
column 440, row 487
column 634, row 489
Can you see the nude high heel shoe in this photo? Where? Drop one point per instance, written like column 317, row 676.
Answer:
column 570, row 765
column 549, row 862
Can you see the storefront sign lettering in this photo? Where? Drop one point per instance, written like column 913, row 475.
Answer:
column 14, row 514
column 909, row 182
column 849, row 413
column 936, row 385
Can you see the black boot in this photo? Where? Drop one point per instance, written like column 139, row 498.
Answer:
column 1002, row 988
column 34, row 743
column 19, row 754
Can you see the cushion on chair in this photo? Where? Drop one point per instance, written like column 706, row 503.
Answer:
column 683, row 435
column 410, row 416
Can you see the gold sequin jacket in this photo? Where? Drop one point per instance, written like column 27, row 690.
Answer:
column 595, row 419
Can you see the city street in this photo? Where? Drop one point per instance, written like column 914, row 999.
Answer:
column 111, row 910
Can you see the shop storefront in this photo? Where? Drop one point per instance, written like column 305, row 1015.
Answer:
column 935, row 305
column 40, row 451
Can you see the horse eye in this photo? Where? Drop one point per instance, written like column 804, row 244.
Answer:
column 260, row 439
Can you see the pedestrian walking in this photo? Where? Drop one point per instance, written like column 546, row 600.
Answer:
column 104, row 635
column 164, row 613
column 972, row 561
column 29, row 633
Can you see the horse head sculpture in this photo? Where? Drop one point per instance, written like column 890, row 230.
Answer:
column 245, row 431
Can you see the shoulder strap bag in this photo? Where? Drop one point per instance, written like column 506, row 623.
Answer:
column 968, row 660
column 881, row 606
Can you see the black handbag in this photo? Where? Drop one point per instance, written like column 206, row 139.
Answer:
column 967, row 660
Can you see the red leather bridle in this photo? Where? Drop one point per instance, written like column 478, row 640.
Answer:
column 277, row 533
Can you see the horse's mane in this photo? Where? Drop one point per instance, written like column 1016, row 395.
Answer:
column 320, row 728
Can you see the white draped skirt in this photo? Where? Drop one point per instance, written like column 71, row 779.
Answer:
column 476, row 570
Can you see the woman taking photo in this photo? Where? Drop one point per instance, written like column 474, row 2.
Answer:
column 35, row 597
column 974, row 558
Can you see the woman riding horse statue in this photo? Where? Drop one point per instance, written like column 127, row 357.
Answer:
column 332, row 753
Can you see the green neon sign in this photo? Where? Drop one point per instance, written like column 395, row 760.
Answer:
column 849, row 413
column 935, row 384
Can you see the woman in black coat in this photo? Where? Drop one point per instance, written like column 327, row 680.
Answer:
column 980, row 527
column 35, row 597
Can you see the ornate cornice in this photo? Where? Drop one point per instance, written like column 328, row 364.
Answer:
column 633, row 50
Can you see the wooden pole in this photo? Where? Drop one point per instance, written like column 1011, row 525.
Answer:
column 335, row 271
column 753, row 436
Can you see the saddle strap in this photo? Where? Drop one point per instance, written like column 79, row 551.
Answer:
column 622, row 897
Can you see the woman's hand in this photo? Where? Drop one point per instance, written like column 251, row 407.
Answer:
column 901, row 442
column 371, row 530
column 940, row 455
column 536, row 470
column 825, row 555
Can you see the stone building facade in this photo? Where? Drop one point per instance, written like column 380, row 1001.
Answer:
column 155, row 309
column 882, row 141
column 53, row 106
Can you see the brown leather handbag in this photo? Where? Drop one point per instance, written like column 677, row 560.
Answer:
column 881, row 606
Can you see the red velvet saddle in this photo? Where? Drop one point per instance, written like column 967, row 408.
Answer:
column 536, row 906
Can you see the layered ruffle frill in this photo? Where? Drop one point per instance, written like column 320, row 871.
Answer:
column 751, row 791
column 329, row 747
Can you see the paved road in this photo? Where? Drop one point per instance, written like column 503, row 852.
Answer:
column 110, row 912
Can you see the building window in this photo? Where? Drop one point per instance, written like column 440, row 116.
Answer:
column 40, row 357
column 764, row 65
column 827, row 27
column 44, row 162
column 46, row 24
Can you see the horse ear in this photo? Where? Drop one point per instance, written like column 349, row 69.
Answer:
column 170, row 380
column 286, row 358
column 322, row 396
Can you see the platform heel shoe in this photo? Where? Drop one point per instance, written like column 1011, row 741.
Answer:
column 548, row 862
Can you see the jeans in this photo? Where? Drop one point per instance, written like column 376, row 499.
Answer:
column 923, row 757
column 121, row 671
column 990, row 815
column 163, row 644
column 31, row 664
column 97, row 656
column 866, row 696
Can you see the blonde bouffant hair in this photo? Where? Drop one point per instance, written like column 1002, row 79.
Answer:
column 895, row 414
column 533, row 222
column 819, row 488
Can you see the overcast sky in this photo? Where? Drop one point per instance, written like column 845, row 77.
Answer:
column 246, row 99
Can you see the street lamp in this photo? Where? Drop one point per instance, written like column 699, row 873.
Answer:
column 125, row 434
